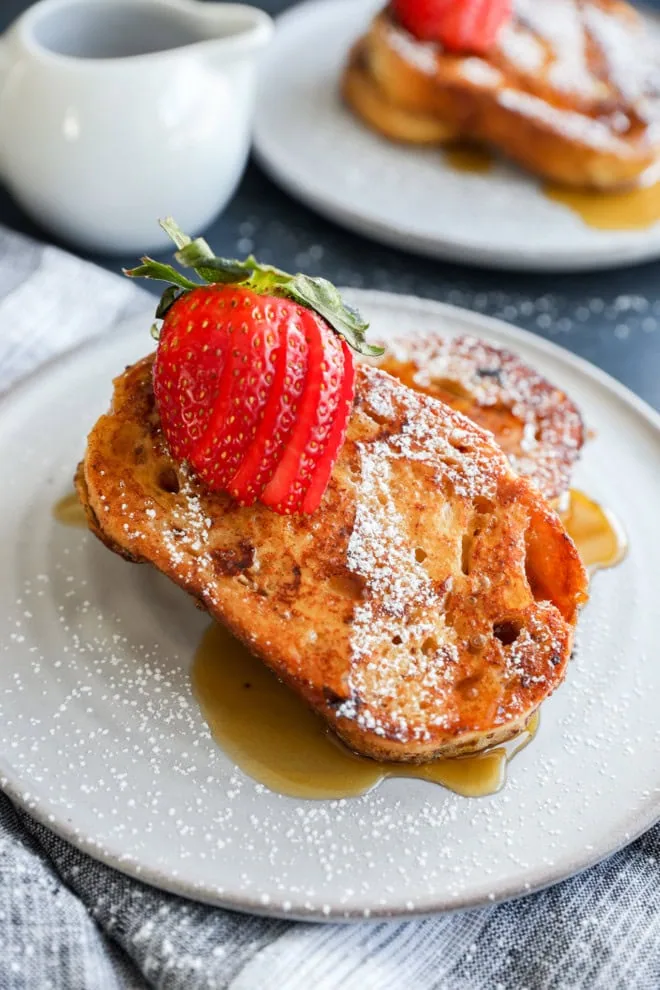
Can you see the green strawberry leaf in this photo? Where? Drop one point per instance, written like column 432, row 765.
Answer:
column 168, row 298
column 322, row 296
column 313, row 292
column 161, row 273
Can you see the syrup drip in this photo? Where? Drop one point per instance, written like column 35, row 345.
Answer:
column 275, row 739
column 596, row 533
column 70, row 512
column 635, row 209
column 468, row 158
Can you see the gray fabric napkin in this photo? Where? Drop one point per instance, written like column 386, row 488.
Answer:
column 67, row 922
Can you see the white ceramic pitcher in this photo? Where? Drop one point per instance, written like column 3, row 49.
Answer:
column 116, row 112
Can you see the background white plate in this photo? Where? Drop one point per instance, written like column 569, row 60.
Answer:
column 401, row 195
column 101, row 739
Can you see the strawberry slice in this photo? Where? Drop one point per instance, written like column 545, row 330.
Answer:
column 422, row 17
column 252, row 324
column 187, row 371
column 321, row 475
column 253, row 380
column 278, row 417
column 287, row 488
column 459, row 25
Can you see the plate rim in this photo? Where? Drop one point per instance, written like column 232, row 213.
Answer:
column 634, row 250
column 625, row 832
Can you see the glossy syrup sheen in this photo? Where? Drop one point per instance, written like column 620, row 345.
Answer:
column 275, row 739
column 468, row 158
column 69, row 511
column 634, row 209
column 597, row 534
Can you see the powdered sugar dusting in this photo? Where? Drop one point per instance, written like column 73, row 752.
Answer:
column 631, row 58
column 480, row 73
column 577, row 126
column 521, row 48
column 397, row 589
column 422, row 55
column 407, row 659
column 559, row 24
column 552, row 431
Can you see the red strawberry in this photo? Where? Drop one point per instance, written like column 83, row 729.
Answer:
column 458, row 25
column 321, row 476
column 186, row 374
column 422, row 17
column 278, row 417
column 252, row 323
column 287, row 488
column 253, row 382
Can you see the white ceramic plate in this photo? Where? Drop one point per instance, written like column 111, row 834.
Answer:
column 101, row 739
column 410, row 198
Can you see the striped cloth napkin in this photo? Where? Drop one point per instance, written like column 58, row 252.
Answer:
column 68, row 922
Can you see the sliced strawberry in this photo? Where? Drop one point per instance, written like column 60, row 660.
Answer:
column 473, row 25
column 321, row 475
column 252, row 324
column 253, row 380
column 458, row 25
column 279, row 414
column 287, row 488
column 188, row 368
column 422, row 17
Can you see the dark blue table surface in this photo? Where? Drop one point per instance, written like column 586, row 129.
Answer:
column 612, row 318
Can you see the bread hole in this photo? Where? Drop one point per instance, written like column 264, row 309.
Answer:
column 332, row 698
column 379, row 418
column 420, row 555
column 483, row 505
column 397, row 641
column 345, row 586
column 460, row 441
column 429, row 646
column 469, row 687
column 507, row 631
column 168, row 481
column 466, row 550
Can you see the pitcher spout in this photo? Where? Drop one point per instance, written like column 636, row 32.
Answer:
column 233, row 29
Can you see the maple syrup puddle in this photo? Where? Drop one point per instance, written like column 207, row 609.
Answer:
column 468, row 158
column 635, row 209
column 70, row 512
column 632, row 209
column 274, row 738
column 597, row 534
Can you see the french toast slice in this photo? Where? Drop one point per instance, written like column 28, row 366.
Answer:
column 427, row 608
column 535, row 423
column 570, row 91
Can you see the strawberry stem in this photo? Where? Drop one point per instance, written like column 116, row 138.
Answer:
column 313, row 292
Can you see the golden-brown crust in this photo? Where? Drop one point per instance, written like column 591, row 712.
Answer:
column 570, row 91
column 536, row 424
column 402, row 610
